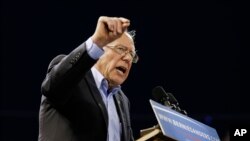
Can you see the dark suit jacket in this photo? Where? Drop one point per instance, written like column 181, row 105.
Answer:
column 72, row 108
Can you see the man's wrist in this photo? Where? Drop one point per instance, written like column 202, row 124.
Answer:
column 93, row 49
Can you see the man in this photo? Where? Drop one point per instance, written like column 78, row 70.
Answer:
column 82, row 98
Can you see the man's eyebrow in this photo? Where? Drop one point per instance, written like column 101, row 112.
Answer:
column 121, row 45
column 133, row 50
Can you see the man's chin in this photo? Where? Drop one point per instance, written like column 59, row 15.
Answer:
column 116, row 82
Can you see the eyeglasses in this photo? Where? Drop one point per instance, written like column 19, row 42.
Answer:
column 122, row 50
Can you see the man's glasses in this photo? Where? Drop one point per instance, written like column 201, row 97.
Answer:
column 122, row 50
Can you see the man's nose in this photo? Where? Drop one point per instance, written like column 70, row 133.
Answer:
column 127, row 56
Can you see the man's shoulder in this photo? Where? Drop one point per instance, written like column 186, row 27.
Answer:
column 56, row 60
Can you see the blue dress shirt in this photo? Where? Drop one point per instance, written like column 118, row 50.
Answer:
column 114, row 126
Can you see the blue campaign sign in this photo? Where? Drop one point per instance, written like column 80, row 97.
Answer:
column 181, row 127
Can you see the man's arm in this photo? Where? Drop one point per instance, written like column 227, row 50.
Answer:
column 63, row 75
column 65, row 72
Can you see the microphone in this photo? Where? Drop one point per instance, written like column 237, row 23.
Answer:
column 174, row 100
column 166, row 99
column 161, row 96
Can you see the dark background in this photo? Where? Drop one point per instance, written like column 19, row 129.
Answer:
column 191, row 48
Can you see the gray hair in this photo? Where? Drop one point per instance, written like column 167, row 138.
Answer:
column 132, row 34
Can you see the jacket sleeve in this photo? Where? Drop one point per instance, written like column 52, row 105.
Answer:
column 64, row 72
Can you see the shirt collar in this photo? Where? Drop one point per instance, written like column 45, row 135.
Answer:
column 102, row 83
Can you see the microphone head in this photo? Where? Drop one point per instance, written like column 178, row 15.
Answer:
column 160, row 95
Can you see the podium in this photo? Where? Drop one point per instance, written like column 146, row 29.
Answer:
column 174, row 126
column 153, row 134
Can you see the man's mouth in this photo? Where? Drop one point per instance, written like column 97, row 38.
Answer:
column 121, row 69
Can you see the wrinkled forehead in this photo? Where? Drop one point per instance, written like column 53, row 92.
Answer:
column 125, row 40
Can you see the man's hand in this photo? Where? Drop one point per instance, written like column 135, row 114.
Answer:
column 109, row 29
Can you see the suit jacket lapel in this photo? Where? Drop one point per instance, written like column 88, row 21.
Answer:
column 97, row 96
column 120, row 109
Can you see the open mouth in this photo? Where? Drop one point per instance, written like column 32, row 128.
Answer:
column 121, row 69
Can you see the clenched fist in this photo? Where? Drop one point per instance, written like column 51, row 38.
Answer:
column 109, row 29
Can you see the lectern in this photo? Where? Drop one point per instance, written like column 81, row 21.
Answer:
column 174, row 126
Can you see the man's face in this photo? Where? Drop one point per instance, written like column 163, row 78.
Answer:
column 115, row 66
